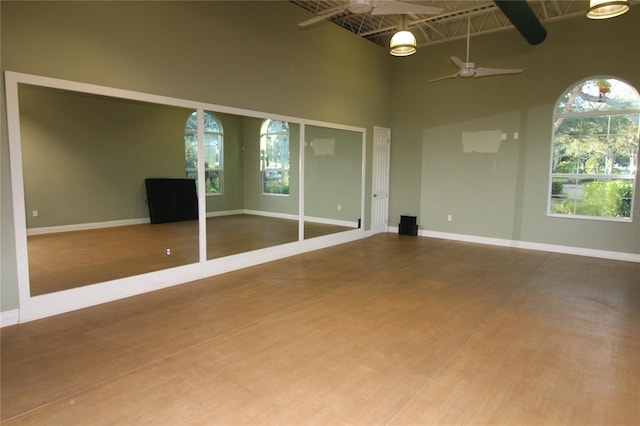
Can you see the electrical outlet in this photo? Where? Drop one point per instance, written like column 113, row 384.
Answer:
column 339, row 207
column 34, row 213
column 450, row 217
column 167, row 251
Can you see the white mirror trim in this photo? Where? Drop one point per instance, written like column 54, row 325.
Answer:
column 32, row 308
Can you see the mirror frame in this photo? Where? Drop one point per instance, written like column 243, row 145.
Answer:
column 35, row 307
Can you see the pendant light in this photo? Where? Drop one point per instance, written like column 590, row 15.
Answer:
column 603, row 9
column 403, row 43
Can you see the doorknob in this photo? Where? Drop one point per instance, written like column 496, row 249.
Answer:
column 375, row 195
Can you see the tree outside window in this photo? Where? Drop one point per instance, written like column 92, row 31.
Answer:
column 274, row 157
column 595, row 151
column 213, row 143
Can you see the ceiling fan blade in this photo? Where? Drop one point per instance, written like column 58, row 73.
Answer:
column 325, row 15
column 457, row 61
column 443, row 78
column 393, row 7
column 483, row 72
column 468, row 69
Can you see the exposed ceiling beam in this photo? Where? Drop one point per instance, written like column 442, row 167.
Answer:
column 486, row 17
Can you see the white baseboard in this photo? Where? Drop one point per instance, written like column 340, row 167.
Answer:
column 527, row 245
column 85, row 226
column 140, row 221
column 327, row 221
column 312, row 219
column 225, row 213
column 271, row 214
column 8, row 318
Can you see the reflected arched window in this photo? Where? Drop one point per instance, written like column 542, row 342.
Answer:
column 213, row 143
column 274, row 157
column 594, row 156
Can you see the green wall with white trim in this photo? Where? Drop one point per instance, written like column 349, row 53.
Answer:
column 502, row 195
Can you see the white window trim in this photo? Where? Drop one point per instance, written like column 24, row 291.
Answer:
column 282, row 170
column 632, row 177
column 221, row 169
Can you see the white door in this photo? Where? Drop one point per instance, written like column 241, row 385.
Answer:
column 380, row 178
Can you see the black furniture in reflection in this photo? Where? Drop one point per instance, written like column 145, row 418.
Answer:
column 171, row 200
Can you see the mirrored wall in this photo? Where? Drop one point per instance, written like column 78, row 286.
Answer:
column 85, row 159
column 332, row 180
column 85, row 153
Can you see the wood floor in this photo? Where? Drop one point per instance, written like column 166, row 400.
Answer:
column 389, row 330
column 67, row 260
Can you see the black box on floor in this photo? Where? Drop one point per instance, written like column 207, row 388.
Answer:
column 408, row 225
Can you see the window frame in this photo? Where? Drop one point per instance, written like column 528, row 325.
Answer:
column 284, row 171
column 606, row 178
column 208, row 170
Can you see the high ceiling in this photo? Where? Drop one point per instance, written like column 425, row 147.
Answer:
column 451, row 24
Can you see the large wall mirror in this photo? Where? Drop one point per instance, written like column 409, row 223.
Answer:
column 255, row 205
column 85, row 159
column 80, row 156
column 332, row 180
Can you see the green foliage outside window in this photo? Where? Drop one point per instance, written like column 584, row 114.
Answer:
column 611, row 198
column 595, row 150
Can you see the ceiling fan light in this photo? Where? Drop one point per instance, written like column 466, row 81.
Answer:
column 403, row 43
column 360, row 6
column 603, row 9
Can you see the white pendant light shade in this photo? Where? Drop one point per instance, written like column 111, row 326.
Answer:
column 603, row 9
column 403, row 43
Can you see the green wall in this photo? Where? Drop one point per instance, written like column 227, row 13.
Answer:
column 503, row 194
column 333, row 177
column 85, row 157
column 93, row 153
column 248, row 55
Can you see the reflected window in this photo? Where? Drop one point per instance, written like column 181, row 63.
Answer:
column 274, row 157
column 594, row 157
column 213, row 143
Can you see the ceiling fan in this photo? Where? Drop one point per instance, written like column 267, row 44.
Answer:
column 468, row 69
column 375, row 7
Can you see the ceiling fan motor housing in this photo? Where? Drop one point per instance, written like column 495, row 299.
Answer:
column 360, row 6
column 467, row 70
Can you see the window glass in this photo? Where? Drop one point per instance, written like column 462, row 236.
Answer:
column 213, row 144
column 274, row 157
column 595, row 150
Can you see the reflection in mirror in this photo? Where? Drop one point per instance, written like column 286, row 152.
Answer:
column 85, row 161
column 258, row 204
column 83, row 168
column 332, row 180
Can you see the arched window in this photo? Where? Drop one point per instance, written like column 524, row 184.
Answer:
column 213, row 143
column 594, row 156
column 274, row 157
